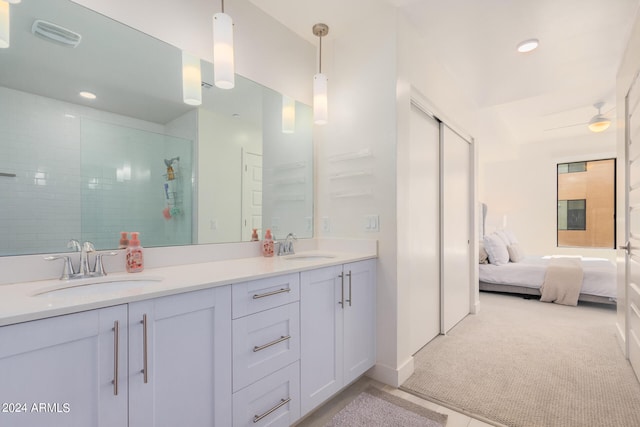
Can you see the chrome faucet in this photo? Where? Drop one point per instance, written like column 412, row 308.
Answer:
column 84, row 270
column 286, row 247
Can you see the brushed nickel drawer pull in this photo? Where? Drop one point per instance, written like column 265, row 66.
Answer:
column 145, row 358
column 116, row 340
column 267, row 345
column 268, row 294
column 282, row 402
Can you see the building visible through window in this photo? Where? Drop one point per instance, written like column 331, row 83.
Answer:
column 586, row 204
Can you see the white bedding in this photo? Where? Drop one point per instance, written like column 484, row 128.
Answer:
column 599, row 274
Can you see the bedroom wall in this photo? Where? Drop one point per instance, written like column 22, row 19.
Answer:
column 519, row 185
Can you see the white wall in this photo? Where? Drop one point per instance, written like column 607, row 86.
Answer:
column 221, row 140
column 519, row 182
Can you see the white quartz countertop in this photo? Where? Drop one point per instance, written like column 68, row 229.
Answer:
column 27, row 301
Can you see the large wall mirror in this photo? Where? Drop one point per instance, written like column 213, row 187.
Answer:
column 136, row 158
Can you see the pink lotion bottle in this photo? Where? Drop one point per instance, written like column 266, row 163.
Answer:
column 267, row 244
column 134, row 256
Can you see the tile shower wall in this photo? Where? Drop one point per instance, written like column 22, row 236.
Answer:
column 40, row 142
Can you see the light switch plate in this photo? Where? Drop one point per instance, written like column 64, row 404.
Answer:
column 372, row 222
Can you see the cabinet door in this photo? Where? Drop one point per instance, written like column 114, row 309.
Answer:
column 62, row 369
column 359, row 318
column 180, row 360
column 321, row 297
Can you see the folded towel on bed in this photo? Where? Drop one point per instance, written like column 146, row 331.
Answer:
column 562, row 281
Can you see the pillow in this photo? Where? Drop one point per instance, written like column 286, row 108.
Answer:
column 515, row 252
column 507, row 236
column 483, row 256
column 496, row 249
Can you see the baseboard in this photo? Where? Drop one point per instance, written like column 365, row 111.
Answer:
column 392, row 376
column 475, row 307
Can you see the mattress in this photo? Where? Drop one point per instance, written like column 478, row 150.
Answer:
column 599, row 275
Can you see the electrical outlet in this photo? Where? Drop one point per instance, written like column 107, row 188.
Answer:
column 309, row 221
column 213, row 225
column 326, row 224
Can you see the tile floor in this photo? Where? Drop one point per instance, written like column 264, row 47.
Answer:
column 322, row 415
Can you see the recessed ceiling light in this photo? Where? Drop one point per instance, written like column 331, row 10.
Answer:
column 528, row 45
column 88, row 95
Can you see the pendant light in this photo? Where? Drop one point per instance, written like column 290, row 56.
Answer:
column 320, row 81
column 288, row 114
column 223, row 62
column 4, row 24
column 191, row 79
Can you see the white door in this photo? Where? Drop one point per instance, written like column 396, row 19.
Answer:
column 632, row 231
column 456, row 225
column 68, row 364
column 422, row 259
column 180, row 360
column 251, row 194
column 359, row 318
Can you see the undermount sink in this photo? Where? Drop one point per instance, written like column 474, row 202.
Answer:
column 93, row 286
column 309, row 257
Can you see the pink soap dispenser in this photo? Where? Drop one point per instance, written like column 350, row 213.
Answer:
column 267, row 244
column 134, row 256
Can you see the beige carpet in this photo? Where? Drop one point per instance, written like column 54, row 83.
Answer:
column 376, row 408
column 524, row 363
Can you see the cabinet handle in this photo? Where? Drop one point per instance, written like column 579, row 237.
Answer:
column 341, row 302
column 269, row 344
column 268, row 294
column 349, row 300
column 282, row 402
column 116, row 340
column 145, row 365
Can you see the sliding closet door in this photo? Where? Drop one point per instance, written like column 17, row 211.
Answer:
column 422, row 248
column 456, row 225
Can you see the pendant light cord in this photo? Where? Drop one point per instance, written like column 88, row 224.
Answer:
column 222, row 6
column 320, row 60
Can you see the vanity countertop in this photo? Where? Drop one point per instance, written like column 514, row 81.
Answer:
column 27, row 301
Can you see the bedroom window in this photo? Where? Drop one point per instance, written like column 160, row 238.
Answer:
column 586, row 204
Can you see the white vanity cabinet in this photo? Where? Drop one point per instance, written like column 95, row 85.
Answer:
column 60, row 371
column 338, row 306
column 180, row 360
column 170, row 355
column 266, row 351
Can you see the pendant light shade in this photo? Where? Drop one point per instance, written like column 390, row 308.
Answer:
column 320, row 100
column 191, row 79
column 320, row 106
column 4, row 24
column 288, row 114
column 223, row 62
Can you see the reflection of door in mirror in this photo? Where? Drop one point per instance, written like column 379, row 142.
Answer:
column 251, row 194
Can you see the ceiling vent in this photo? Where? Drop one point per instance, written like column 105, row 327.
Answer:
column 55, row 33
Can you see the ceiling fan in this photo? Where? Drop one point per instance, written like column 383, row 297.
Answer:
column 598, row 123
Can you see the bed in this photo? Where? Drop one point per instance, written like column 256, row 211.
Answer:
column 527, row 275
column 505, row 268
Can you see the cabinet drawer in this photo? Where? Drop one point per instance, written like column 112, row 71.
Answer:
column 259, row 295
column 273, row 401
column 265, row 342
